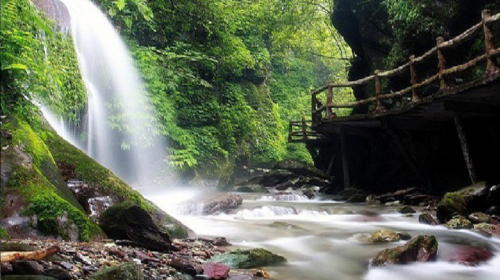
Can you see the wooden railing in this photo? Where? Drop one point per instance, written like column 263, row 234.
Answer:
column 321, row 111
column 301, row 131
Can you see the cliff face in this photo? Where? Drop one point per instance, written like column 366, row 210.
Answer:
column 384, row 33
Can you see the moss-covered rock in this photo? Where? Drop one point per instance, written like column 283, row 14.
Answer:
column 384, row 235
column 459, row 222
column 36, row 191
column 129, row 221
column 126, row 271
column 461, row 202
column 249, row 258
column 422, row 248
column 406, row 210
column 479, row 217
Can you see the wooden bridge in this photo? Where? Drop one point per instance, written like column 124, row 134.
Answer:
column 428, row 103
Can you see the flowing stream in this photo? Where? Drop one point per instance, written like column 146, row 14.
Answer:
column 323, row 239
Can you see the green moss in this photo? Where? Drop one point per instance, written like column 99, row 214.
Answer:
column 49, row 208
column 249, row 258
column 92, row 172
column 4, row 235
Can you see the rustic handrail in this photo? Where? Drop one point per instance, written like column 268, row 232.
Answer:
column 443, row 74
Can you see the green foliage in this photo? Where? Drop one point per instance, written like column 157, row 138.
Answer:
column 49, row 208
column 37, row 63
column 4, row 235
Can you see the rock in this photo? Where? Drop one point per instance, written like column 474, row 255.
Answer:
column 490, row 228
column 129, row 221
column 223, row 203
column 126, row 271
column 479, row 217
column 59, row 274
column 422, row 248
column 404, row 235
column 393, row 203
column 384, row 236
column 184, row 266
column 426, row 218
column 221, row 241
column 459, row 222
column 300, row 168
column 215, row 271
column 277, row 177
column 372, row 200
column 6, row 268
column 351, row 195
column 493, row 210
column 26, row 277
column 251, row 258
column 262, row 274
column 251, row 189
column 27, row 267
column 470, row 256
column 406, row 210
column 285, row 225
column 461, row 201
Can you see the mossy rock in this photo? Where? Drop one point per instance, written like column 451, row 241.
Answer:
column 479, row 217
column 300, row 168
column 451, row 204
column 384, row 235
column 459, row 222
column 406, row 210
column 129, row 221
column 27, row 277
column 34, row 178
column 249, row 258
column 422, row 248
column 126, row 271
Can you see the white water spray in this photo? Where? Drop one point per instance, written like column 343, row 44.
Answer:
column 120, row 119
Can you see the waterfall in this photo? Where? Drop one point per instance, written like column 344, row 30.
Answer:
column 119, row 122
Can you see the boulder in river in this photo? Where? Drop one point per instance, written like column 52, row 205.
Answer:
column 426, row 218
column 422, row 248
column 459, row 222
column 469, row 256
column 251, row 258
column 462, row 202
column 352, row 195
column 406, row 210
column 129, row 221
column 384, row 235
column 126, row 271
column 222, row 204
column 479, row 217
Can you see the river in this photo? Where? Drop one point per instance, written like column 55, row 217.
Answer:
column 323, row 239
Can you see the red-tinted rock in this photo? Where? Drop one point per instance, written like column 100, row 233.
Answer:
column 470, row 256
column 215, row 271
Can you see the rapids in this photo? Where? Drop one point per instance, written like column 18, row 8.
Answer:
column 322, row 239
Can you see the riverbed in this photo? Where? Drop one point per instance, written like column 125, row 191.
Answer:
column 326, row 239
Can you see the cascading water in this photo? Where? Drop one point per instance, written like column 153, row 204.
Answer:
column 119, row 122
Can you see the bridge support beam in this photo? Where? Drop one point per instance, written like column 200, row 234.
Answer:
column 465, row 148
column 345, row 161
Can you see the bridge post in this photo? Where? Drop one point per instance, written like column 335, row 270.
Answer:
column 329, row 102
column 313, row 106
column 465, row 148
column 441, row 62
column 491, row 66
column 345, row 162
column 304, row 130
column 378, row 92
column 413, row 77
